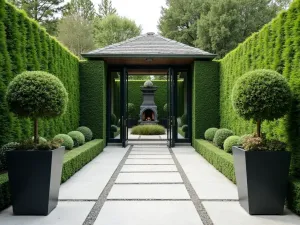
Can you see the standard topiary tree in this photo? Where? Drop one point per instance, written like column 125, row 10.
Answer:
column 37, row 94
column 210, row 133
column 67, row 141
column 221, row 135
column 261, row 95
column 88, row 134
column 77, row 137
column 230, row 142
column 130, row 109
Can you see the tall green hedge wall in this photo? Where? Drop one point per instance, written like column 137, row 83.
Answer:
column 277, row 47
column 206, row 103
column 93, row 96
column 135, row 96
column 24, row 45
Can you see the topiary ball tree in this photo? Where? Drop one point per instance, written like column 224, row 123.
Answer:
column 221, row 135
column 37, row 94
column 261, row 95
column 210, row 133
column 67, row 141
column 230, row 142
column 78, row 138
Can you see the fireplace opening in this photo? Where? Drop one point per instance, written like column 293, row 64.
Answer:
column 148, row 115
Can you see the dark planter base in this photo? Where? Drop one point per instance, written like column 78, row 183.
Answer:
column 262, row 178
column 34, row 178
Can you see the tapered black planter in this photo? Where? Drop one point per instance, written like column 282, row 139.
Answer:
column 262, row 178
column 34, row 178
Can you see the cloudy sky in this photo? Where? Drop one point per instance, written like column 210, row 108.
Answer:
column 144, row 12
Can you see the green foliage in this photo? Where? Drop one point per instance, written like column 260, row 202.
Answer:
column 93, row 97
column 113, row 128
column 29, row 144
column 113, row 119
column 220, row 159
column 243, row 138
column 205, row 110
column 82, row 8
column 230, row 142
column 148, row 130
column 26, row 98
column 7, row 147
column 221, row 135
column 105, row 8
column 67, row 141
column 261, row 95
column 210, row 133
column 26, row 46
column 113, row 29
column 166, row 107
column 274, row 47
column 185, row 128
column 293, row 195
column 88, row 134
column 41, row 139
column 77, row 137
column 73, row 161
column 184, row 119
column 131, row 110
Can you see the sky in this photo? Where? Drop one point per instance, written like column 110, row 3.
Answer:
column 144, row 12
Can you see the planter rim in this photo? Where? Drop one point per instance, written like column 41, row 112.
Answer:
column 62, row 147
column 243, row 150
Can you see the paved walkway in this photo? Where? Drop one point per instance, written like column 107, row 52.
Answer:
column 148, row 185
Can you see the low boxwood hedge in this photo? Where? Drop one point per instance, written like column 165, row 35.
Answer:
column 223, row 162
column 73, row 161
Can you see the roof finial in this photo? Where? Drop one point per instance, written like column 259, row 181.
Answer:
column 150, row 33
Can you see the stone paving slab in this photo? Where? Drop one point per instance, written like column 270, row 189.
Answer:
column 206, row 180
column 139, row 156
column 66, row 213
column 148, row 191
column 148, row 213
column 147, row 168
column 89, row 182
column 135, row 152
column 231, row 213
column 149, row 178
column 150, row 161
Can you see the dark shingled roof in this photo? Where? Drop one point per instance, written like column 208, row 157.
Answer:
column 149, row 45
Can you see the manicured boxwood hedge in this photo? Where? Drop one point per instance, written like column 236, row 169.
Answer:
column 205, row 112
column 223, row 162
column 93, row 96
column 73, row 161
column 274, row 47
column 135, row 96
column 24, row 45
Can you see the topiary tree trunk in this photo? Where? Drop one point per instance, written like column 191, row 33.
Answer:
column 36, row 131
column 258, row 128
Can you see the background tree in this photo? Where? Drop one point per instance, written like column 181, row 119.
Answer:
column 82, row 8
column 76, row 33
column 230, row 22
column 43, row 11
column 178, row 20
column 105, row 8
column 113, row 29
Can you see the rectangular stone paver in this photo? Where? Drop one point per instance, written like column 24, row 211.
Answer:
column 66, row 213
column 133, row 156
column 150, row 161
column 148, row 213
column 231, row 213
column 147, row 168
column 148, row 191
column 206, row 180
column 150, row 152
column 89, row 182
column 148, row 178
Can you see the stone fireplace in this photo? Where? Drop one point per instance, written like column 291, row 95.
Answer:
column 148, row 109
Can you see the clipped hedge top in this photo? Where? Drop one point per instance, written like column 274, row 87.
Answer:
column 37, row 94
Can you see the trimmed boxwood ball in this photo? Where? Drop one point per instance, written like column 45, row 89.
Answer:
column 41, row 140
column 88, row 134
column 261, row 95
column 67, row 141
column 230, row 142
column 184, row 119
column 210, row 133
column 148, row 83
column 77, row 137
column 113, row 128
column 7, row 147
column 113, row 119
column 185, row 128
column 221, row 135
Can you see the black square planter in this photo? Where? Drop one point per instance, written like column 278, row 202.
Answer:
column 262, row 178
column 34, row 178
